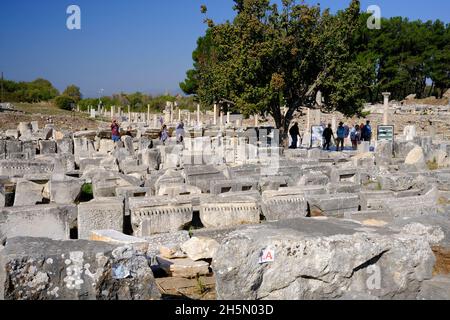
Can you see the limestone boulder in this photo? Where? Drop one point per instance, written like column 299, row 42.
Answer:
column 100, row 214
column 2, row 198
column 447, row 94
column 12, row 133
column 438, row 157
column 283, row 204
column 151, row 158
column 416, row 157
column 153, row 215
column 128, row 143
column 44, row 269
column 65, row 190
column 184, row 268
column 363, row 159
column 396, row 182
column 312, row 258
column 47, row 146
column 172, row 251
column 436, row 230
column 220, row 212
column 169, row 239
column 64, row 145
column 25, row 129
column 437, row 288
column 28, row 193
column 48, row 220
column 90, row 134
column 106, row 146
column 412, row 206
column 200, row 248
column 403, row 148
column 117, row 238
column 110, row 163
column 384, row 153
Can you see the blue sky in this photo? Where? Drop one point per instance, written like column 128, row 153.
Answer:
column 130, row 45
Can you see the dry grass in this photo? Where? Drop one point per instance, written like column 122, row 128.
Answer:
column 42, row 112
column 428, row 101
column 432, row 165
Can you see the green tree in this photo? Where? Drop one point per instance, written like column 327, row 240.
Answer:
column 73, row 92
column 439, row 57
column 269, row 57
column 65, row 102
column 41, row 90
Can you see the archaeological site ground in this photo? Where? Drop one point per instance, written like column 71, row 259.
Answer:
column 236, row 187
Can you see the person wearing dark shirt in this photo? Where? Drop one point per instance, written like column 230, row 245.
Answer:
column 327, row 134
column 367, row 132
column 295, row 133
column 115, row 131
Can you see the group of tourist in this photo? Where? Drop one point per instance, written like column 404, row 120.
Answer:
column 163, row 133
column 356, row 134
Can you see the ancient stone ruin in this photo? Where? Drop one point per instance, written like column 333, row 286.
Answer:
column 83, row 217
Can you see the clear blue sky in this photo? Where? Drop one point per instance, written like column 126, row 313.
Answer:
column 130, row 45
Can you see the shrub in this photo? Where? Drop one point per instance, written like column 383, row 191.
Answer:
column 65, row 102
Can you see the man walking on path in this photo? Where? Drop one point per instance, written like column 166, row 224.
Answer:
column 327, row 134
column 294, row 132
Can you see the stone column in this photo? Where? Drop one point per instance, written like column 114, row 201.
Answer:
column 228, row 117
column 334, row 124
column 198, row 114
column 129, row 114
column 308, row 120
column 319, row 98
column 112, row 112
column 221, row 118
column 148, row 114
column 215, row 114
column 256, row 120
column 386, row 96
column 189, row 118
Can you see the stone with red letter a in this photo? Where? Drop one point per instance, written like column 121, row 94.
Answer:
column 267, row 255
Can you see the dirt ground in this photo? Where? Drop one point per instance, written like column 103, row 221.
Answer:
column 75, row 121
column 46, row 113
column 173, row 288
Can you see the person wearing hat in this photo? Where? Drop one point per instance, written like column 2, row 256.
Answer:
column 340, row 136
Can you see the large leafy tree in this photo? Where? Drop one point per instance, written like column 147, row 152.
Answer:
column 35, row 91
column 403, row 57
column 273, row 56
column 439, row 56
column 73, row 92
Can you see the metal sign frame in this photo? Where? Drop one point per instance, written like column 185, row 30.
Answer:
column 314, row 133
column 388, row 128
